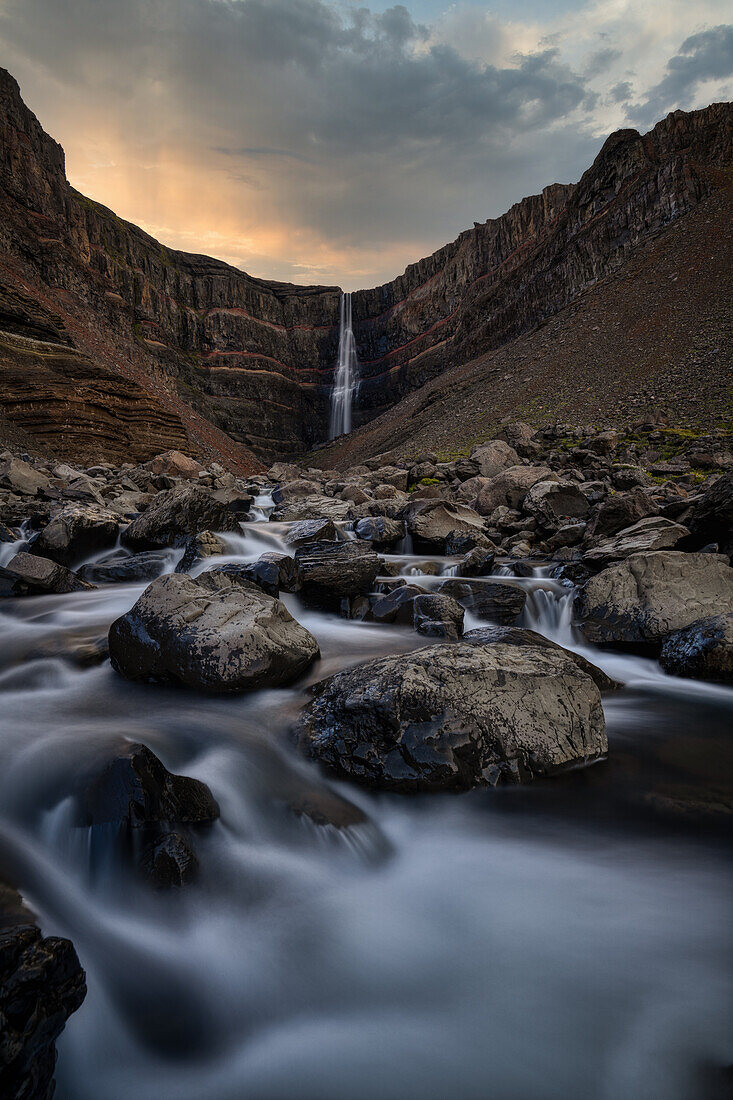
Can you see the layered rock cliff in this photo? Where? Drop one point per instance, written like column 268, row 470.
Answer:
column 244, row 366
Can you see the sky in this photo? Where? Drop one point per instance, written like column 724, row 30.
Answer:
column 335, row 142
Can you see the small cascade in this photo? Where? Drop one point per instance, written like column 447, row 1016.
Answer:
column 345, row 382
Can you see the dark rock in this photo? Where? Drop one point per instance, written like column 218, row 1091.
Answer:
column 703, row 650
column 175, row 514
column 461, row 543
column 124, row 568
column 437, row 616
column 516, row 635
column 329, row 571
column 396, row 605
column 636, row 603
column 20, row 477
column 265, row 574
column 476, row 563
column 75, row 532
column 213, row 633
column 288, row 570
column 652, row 533
column 169, row 861
column 619, row 512
column 455, row 716
column 711, row 519
column 554, row 503
column 433, row 522
column 197, row 548
column 510, row 487
column 380, row 531
column 500, row 602
column 312, row 530
column 37, row 575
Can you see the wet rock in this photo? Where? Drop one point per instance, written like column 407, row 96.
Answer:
column 20, row 477
column 38, row 575
column 213, row 633
column 329, row 571
column 8, row 534
column 460, row 543
column 199, row 547
column 554, row 503
column 287, row 568
column 124, row 568
column 380, row 531
column 491, row 458
column 499, row 602
column 312, row 530
column 174, row 464
column 476, row 563
column 510, row 487
column 175, row 514
column 652, row 533
column 41, row 985
column 433, row 522
column 437, row 616
column 516, row 635
column 711, row 519
column 169, row 861
column 265, row 574
column 637, row 602
column 396, row 605
column 75, row 532
column 455, row 716
column 701, row 651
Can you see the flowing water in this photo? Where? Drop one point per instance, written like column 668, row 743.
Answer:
column 553, row 941
column 346, row 379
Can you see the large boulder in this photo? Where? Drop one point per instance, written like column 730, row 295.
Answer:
column 500, row 602
column 311, row 530
column 41, row 984
column 214, row 633
column 432, row 523
column 703, row 650
column 437, row 616
column 380, row 531
column 174, row 464
column 491, row 458
column 554, row 503
column 652, row 533
column 517, row 635
column 35, row 575
column 176, row 513
column 455, row 716
column 711, row 518
column 510, row 487
column 619, row 511
column 637, row 602
column 75, row 532
column 331, row 570
column 124, row 568
column 20, row 477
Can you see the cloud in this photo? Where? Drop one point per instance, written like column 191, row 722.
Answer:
column 316, row 139
column 705, row 56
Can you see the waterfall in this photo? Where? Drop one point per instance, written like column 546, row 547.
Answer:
column 345, row 382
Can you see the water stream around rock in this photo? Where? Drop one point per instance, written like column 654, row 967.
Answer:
column 540, row 942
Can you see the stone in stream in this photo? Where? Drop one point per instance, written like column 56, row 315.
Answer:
column 311, row 530
column 433, row 522
column 177, row 513
column 702, row 651
column 135, row 792
column 437, row 616
column 455, row 716
column 75, row 532
column 330, row 571
column 396, row 605
column 214, row 633
column 494, row 600
column 635, row 603
column 41, row 985
column 199, row 547
column 476, row 563
column 517, row 635
column 651, row 533
column 35, row 575
column 124, row 568
column 380, row 531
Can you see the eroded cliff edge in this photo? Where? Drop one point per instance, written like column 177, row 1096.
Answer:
column 216, row 351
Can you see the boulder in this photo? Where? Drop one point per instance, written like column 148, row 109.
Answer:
column 265, row 574
column 703, row 650
column 711, row 518
column 312, row 530
column 38, row 575
column 20, row 477
column 331, row 570
column 652, row 533
column 605, row 443
column 297, row 489
column 174, row 464
column 619, row 511
column 476, row 563
column 124, row 568
column 455, row 716
column 554, row 503
column 75, row 532
column 396, row 606
column 197, row 548
column 510, row 487
column 175, row 514
column 437, row 616
column 287, row 567
column 41, row 984
column 636, row 602
column 517, row 635
column 380, row 531
column 493, row 457
column 432, row 522
column 500, row 602
column 213, row 633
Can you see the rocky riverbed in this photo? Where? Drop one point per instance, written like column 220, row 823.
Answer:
column 391, row 781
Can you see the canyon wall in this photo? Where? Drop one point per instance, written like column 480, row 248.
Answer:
column 244, row 365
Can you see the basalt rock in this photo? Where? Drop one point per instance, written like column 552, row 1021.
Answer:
column 75, row 532
column 37, row 575
column 652, row 533
column 312, row 530
column 553, row 503
column 703, row 650
column 455, row 716
column 711, row 519
column 499, row 602
column 177, row 513
column 516, row 635
column 329, row 571
column 509, row 488
column 214, row 633
column 123, row 568
column 433, row 522
column 380, row 531
column 437, row 616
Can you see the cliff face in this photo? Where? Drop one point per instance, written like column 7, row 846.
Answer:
column 227, row 353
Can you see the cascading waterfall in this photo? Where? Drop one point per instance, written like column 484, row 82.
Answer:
column 345, row 382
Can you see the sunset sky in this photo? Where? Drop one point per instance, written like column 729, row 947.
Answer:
column 316, row 141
